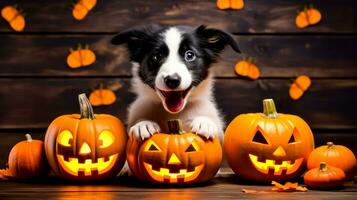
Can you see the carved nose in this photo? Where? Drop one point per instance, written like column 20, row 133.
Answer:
column 279, row 152
column 174, row 160
column 172, row 81
column 85, row 149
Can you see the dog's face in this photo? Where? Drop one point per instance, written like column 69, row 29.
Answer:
column 174, row 60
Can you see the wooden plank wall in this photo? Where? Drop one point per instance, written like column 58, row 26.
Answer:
column 36, row 85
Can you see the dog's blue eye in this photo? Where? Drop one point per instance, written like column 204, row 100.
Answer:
column 190, row 56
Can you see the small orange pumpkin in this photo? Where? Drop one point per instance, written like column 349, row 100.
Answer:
column 334, row 155
column 324, row 176
column 307, row 17
column 299, row 86
column 175, row 157
column 82, row 8
column 14, row 18
column 27, row 159
column 102, row 96
column 230, row 4
column 247, row 68
column 80, row 57
column 268, row 146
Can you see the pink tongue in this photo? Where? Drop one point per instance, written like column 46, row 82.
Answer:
column 174, row 101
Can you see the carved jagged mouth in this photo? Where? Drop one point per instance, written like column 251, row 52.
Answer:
column 174, row 175
column 87, row 168
column 271, row 166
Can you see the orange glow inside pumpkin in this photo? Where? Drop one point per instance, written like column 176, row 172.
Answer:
column 162, row 174
column 88, row 167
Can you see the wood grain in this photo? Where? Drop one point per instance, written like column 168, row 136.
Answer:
column 34, row 103
column 256, row 17
column 283, row 56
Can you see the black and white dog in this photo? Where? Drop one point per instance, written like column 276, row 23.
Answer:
column 172, row 78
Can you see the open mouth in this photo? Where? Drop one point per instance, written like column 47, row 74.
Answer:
column 273, row 167
column 173, row 175
column 87, row 168
column 174, row 101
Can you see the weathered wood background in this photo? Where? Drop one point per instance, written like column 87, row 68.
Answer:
column 36, row 85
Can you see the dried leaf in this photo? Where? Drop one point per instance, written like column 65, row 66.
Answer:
column 287, row 187
column 5, row 174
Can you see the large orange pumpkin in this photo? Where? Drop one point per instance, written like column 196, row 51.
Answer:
column 334, row 155
column 87, row 146
column 268, row 146
column 27, row 159
column 175, row 157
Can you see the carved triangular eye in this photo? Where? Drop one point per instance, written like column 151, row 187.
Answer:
column 191, row 148
column 292, row 139
column 259, row 138
column 153, row 148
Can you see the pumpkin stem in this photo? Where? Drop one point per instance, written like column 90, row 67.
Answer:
column 86, row 107
column 323, row 166
column 269, row 109
column 175, row 126
column 28, row 137
column 330, row 145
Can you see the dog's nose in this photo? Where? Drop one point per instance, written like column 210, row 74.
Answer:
column 172, row 81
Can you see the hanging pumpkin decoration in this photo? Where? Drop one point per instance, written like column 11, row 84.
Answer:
column 80, row 57
column 247, row 68
column 268, row 146
column 307, row 17
column 324, row 176
column 175, row 157
column 86, row 146
column 82, row 8
column 27, row 159
column 102, row 96
column 14, row 17
column 334, row 155
column 230, row 4
column 299, row 86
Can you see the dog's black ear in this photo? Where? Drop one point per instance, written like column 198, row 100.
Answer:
column 215, row 40
column 139, row 40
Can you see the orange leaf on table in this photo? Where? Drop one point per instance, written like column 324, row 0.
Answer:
column 299, row 86
column 14, row 18
column 288, row 187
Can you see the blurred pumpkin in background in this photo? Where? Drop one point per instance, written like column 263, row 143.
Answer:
column 80, row 57
column 12, row 15
column 299, row 86
column 102, row 96
column 86, row 146
column 268, row 146
column 82, row 7
column 175, row 157
column 230, row 4
column 247, row 68
column 307, row 17
column 334, row 155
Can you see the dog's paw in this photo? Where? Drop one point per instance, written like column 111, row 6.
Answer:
column 205, row 127
column 144, row 129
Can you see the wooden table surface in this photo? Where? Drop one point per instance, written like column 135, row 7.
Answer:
column 129, row 188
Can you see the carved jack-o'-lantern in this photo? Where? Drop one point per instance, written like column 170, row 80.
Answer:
column 86, row 146
column 268, row 146
column 174, row 157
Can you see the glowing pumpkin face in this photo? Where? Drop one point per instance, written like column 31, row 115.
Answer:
column 86, row 146
column 174, row 158
column 269, row 146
